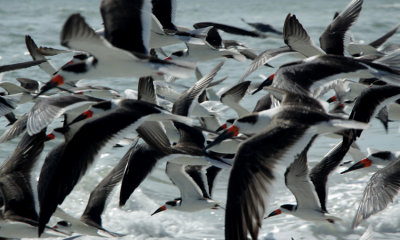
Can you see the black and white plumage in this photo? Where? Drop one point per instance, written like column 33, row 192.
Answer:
column 19, row 218
column 209, row 47
column 332, row 39
column 232, row 96
column 265, row 57
column 59, row 181
column 306, row 75
column 256, row 122
column 90, row 222
column 187, row 104
column 296, row 37
column 192, row 197
column 37, row 56
column 298, row 40
column 143, row 159
column 374, row 161
column 298, row 182
column 380, row 191
column 356, row 49
column 371, row 100
column 125, row 44
column 320, row 172
column 47, row 109
column 254, row 169
column 228, row 29
column 15, row 176
column 98, row 197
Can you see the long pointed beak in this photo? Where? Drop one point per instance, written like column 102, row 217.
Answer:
column 57, row 80
column 332, row 99
column 162, row 208
column 267, row 82
column 50, row 137
column 274, row 213
column 229, row 133
column 87, row 114
column 222, row 127
column 361, row 164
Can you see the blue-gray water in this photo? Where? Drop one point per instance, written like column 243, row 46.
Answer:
column 43, row 21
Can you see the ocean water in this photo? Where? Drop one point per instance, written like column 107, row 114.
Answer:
column 43, row 20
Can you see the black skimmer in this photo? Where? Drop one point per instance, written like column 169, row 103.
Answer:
column 142, row 161
column 371, row 101
column 298, row 182
column 163, row 30
column 265, row 28
column 332, row 39
column 307, row 75
column 19, row 218
column 380, row 191
column 128, row 52
column 232, row 96
column 254, row 169
column 264, row 103
column 143, row 158
column 187, row 104
column 57, row 183
column 257, row 121
column 242, row 48
column 320, row 172
column 374, row 158
column 367, row 105
column 212, row 47
column 188, row 151
column 356, row 49
column 95, row 110
column 248, row 124
column 229, row 29
column 263, row 58
column 37, row 56
column 192, row 140
column 297, row 38
column 345, row 90
column 50, row 108
column 90, row 223
column 192, row 198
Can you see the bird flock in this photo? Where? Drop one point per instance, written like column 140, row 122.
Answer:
column 336, row 88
